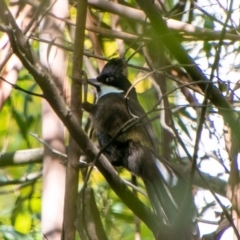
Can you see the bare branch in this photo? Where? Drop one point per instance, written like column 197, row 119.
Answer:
column 31, row 62
column 214, row 95
column 30, row 178
column 21, row 157
column 138, row 15
column 72, row 173
column 59, row 154
column 22, row 89
column 89, row 214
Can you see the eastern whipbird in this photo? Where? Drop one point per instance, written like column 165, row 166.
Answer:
column 134, row 147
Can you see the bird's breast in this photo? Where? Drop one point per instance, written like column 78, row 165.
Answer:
column 110, row 117
column 110, row 113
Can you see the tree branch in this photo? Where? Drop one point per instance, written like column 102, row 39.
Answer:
column 175, row 48
column 89, row 215
column 72, row 173
column 29, row 59
column 139, row 15
column 21, row 157
column 25, row 180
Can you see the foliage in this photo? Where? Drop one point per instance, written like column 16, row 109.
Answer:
column 216, row 53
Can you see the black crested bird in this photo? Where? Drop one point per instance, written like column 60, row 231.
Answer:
column 135, row 147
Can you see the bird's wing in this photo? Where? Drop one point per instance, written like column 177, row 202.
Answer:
column 166, row 186
column 136, row 111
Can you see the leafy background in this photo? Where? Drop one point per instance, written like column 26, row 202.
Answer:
column 21, row 114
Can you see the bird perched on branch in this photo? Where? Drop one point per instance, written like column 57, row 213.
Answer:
column 121, row 123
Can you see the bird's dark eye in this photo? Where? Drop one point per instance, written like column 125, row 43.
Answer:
column 109, row 79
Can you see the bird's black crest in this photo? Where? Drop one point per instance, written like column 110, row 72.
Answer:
column 115, row 66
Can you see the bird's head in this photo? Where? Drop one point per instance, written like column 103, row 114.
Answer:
column 112, row 79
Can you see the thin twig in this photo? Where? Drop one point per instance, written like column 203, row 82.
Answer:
column 21, row 181
column 61, row 155
column 15, row 86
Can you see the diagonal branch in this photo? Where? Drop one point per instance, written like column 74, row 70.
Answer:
column 29, row 59
column 175, row 48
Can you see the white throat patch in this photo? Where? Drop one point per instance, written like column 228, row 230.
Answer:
column 105, row 89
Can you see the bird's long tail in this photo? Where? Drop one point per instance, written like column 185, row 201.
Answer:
column 171, row 199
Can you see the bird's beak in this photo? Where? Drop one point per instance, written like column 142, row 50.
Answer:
column 93, row 82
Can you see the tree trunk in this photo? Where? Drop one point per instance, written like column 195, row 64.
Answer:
column 53, row 58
